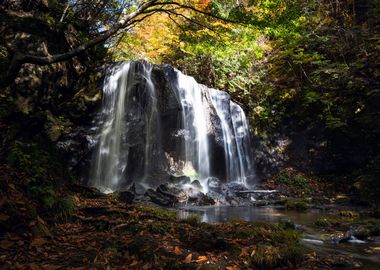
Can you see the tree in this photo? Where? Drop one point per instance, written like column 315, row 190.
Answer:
column 122, row 17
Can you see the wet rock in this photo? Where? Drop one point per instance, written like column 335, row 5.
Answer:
column 235, row 187
column 365, row 231
column 88, row 192
column 214, row 184
column 179, row 180
column 170, row 192
column 232, row 201
column 159, row 198
column 337, row 237
column 201, row 199
column 196, row 184
column 137, row 188
column 217, row 197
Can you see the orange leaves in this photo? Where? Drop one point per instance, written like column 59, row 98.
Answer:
column 177, row 251
column 201, row 259
column 232, row 268
column 188, row 258
column 202, row 4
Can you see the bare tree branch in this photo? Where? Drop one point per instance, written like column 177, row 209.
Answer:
column 65, row 11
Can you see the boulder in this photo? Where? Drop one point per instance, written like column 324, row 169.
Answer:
column 196, row 184
column 201, row 199
column 214, row 184
column 170, row 192
column 159, row 198
column 179, row 180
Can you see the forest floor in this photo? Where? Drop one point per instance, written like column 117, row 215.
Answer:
column 105, row 233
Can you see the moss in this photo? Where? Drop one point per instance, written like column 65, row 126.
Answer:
column 56, row 126
column 54, row 203
column 299, row 204
column 158, row 212
column 349, row 214
column 29, row 159
column 158, row 227
column 192, row 220
column 64, row 206
column 269, row 256
column 322, row 222
column 258, row 230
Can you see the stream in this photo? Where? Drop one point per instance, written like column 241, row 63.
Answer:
column 304, row 221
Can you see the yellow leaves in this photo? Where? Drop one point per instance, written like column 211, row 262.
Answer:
column 258, row 110
column 150, row 39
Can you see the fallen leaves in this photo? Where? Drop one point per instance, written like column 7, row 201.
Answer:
column 177, row 251
column 201, row 259
column 4, row 217
column 39, row 242
column 6, row 244
column 244, row 252
column 232, row 268
column 188, row 258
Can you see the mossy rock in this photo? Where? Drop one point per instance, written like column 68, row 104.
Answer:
column 322, row 222
column 297, row 204
column 349, row 214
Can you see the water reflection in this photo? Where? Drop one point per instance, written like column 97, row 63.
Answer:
column 218, row 214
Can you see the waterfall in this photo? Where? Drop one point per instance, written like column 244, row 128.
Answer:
column 221, row 103
column 195, row 124
column 242, row 139
column 129, row 104
column 143, row 107
column 110, row 158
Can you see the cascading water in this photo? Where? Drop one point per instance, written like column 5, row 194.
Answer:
column 121, row 113
column 110, row 159
column 141, row 110
column 242, row 139
column 195, row 124
column 221, row 103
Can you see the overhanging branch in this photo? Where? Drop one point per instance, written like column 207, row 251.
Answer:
column 143, row 10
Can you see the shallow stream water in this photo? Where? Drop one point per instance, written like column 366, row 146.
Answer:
column 304, row 221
